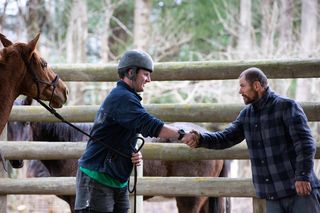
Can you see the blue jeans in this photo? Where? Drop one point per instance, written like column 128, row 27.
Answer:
column 296, row 204
column 93, row 197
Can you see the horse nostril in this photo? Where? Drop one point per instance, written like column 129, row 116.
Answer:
column 66, row 92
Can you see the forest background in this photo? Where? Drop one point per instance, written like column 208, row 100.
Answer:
column 99, row 31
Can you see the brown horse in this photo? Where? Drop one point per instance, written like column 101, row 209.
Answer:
column 23, row 71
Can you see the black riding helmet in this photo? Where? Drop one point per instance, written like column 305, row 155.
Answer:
column 134, row 59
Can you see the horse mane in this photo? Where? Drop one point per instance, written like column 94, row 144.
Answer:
column 47, row 131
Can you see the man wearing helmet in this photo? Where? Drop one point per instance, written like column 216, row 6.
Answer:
column 102, row 178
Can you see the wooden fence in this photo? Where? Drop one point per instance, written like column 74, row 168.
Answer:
column 232, row 187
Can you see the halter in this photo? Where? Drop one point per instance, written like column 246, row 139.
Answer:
column 37, row 81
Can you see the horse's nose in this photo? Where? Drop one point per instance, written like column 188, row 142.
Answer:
column 67, row 92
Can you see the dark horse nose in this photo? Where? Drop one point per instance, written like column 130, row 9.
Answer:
column 16, row 164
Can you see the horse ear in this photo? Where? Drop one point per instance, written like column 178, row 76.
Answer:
column 33, row 43
column 5, row 41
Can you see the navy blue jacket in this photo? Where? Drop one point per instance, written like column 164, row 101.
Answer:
column 120, row 118
column 280, row 144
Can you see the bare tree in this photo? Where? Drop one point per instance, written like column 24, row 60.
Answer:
column 142, row 28
column 3, row 14
column 76, row 43
column 34, row 16
column 285, row 26
column 77, row 32
column 244, row 39
column 308, row 38
column 269, row 11
column 308, row 33
column 110, row 6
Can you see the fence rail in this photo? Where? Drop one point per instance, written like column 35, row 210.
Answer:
column 167, row 112
column 204, row 70
column 151, row 151
column 148, row 186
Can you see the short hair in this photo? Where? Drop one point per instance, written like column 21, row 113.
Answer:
column 255, row 74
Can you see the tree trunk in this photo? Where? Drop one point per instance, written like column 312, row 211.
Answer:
column 77, row 33
column 142, row 13
column 109, row 9
column 270, row 14
column 3, row 15
column 308, row 38
column 76, row 43
column 35, row 17
column 308, row 34
column 244, row 39
column 266, row 26
column 285, row 26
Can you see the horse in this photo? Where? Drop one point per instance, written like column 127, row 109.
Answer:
column 24, row 71
column 42, row 131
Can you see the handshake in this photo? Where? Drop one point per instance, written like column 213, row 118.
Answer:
column 191, row 139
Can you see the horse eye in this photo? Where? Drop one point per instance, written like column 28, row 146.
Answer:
column 44, row 64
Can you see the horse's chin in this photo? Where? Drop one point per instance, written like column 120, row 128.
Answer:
column 55, row 104
column 59, row 100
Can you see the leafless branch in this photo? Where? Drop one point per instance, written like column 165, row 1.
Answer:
column 122, row 26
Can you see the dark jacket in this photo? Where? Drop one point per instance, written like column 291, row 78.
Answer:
column 280, row 144
column 120, row 118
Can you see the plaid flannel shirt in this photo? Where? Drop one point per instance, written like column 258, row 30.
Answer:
column 280, row 144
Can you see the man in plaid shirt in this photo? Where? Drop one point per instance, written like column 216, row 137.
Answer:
column 280, row 145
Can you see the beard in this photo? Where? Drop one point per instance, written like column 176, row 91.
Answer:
column 248, row 100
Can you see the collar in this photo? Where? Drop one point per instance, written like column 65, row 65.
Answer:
column 262, row 102
column 121, row 83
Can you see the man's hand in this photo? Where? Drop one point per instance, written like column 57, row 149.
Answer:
column 303, row 188
column 191, row 139
column 136, row 158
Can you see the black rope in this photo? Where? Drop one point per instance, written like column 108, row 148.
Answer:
column 57, row 115
column 135, row 178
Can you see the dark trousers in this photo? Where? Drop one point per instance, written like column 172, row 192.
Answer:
column 93, row 197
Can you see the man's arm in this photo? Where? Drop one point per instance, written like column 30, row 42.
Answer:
column 217, row 140
column 171, row 132
column 304, row 145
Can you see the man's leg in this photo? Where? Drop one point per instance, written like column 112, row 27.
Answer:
column 121, row 198
column 92, row 196
column 307, row 204
column 274, row 206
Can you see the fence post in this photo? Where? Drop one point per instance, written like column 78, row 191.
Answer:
column 259, row 205
column 3, row 174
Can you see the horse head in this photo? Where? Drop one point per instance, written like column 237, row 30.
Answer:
column 30, row 74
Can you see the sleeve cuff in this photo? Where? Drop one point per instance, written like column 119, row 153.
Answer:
column 302, row 176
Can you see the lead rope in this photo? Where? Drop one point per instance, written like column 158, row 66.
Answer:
column 133, row 190
column 57, row 115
